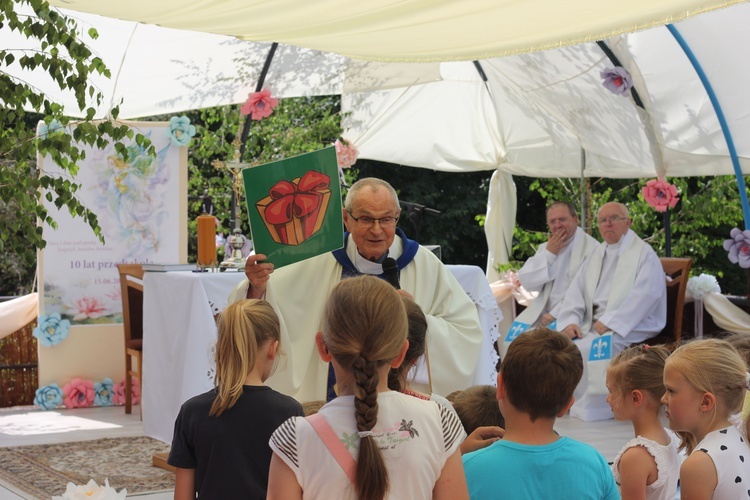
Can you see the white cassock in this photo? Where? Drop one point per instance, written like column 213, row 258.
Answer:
column 624, row 287
column 299, row 292
column 551, row 274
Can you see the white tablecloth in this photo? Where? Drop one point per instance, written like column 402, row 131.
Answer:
column 179, row 333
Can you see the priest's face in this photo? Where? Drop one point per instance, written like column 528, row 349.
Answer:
column 614, row 222
column 559, row 219
column 372, row 235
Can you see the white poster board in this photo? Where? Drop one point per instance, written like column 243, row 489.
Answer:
column 142, row 210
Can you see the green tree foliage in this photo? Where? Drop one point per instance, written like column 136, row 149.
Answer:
column 708, row 209
column 70, row 64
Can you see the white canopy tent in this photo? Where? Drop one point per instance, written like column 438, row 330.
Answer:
column 534, row 115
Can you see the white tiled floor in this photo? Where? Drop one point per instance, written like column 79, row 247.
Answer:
column 28, row 426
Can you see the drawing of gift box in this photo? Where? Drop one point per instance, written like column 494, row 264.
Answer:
column 294, row 211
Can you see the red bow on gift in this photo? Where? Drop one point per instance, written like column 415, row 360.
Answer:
column 296, row 200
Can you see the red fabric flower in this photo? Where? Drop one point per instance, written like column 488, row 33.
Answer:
column 660, row 194
column 259, row 105
column 78, row 393
column 118, row 397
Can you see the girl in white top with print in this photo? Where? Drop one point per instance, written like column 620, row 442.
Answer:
column 648, row 465
column 706, row 382
column 404, row 447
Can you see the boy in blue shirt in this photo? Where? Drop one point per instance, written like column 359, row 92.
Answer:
column 535, row 386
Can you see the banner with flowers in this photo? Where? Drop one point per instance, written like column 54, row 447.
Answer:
column 294, row 206
column 137, row 203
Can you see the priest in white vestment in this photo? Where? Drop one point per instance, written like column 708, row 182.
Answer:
column 554, row 265
column 298, row 293
column 620, row 288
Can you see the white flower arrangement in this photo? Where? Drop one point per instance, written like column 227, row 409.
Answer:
column 92, row 491
column 700, row 286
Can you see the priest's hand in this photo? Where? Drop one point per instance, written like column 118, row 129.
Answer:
column 557, row 241
column 573, row 331
column 601, row 328
column 406, row 294
column 547, row 318
column 257, row 274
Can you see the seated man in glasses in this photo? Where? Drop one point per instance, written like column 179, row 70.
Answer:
column 298, row 293
column 620, row 288
column 553, row 266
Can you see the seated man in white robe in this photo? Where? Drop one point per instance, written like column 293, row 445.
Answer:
column 620, row 288
column 298, row 293
column 554, row 265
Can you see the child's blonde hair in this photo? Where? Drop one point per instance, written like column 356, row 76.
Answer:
column 242, row 327
column 712, row 365
column 639, row 367
column 364, row 327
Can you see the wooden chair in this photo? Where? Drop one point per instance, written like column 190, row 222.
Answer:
column 678, row 269
column 131, row 283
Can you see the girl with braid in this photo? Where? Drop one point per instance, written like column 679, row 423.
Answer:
column 369, row 443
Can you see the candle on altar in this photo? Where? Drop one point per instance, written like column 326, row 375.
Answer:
column 206, row 241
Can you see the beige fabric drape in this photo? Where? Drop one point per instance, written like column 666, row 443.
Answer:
column 407, row 30
column 17, row 313
column 727, row 315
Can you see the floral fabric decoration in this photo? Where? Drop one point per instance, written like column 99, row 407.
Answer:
column 103, row 392
column 660, row 194
column 52, row 329
column 118, row 396
column 180, row 131
column 738, row 246
column 346, row 153
column 617, row 80
column 48, row 397
column 91, row 491
column 78, row 393
column 259, row 105
column 700, row 286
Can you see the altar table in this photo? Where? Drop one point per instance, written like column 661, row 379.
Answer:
column 179, row 333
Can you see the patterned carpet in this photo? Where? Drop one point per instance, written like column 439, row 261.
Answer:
column 42, row 471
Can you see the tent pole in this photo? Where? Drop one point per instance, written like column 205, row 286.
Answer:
column 722, row 120
column 667, row 234
column 584, row 202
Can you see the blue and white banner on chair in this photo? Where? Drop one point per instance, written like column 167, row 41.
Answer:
column 517, row 328
column 600, row 357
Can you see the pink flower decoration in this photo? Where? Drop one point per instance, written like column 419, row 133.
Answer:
column 617, row 80
column 259, row 105
column 346, row 154
column 660, row 194
column 118, row 397
column 78, row 393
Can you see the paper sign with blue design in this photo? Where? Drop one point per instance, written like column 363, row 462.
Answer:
column 599, row 358
column 516, row 329
column 601, row 349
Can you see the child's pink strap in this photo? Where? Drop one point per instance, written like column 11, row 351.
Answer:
column 334, row 445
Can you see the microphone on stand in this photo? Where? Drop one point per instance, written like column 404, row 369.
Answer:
column 390, row 272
